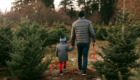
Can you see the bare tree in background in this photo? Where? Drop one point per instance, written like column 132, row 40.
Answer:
column 132, row 5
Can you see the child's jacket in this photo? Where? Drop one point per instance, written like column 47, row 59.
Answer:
column 62, row 51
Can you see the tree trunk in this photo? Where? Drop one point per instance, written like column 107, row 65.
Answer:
column 65, row 5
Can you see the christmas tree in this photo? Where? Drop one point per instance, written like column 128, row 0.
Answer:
column 52, row 36
column 136, row 72
column 120, row 53
column 5, row 46
column 56, row 32
column 28, row 52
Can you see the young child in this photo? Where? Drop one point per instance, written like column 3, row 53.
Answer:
column 62, row 53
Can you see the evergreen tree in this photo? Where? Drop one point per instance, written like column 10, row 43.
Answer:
column 107, row 10
column 17, row 5
column 49, row 3
column 26, row 59
column 54, row 34
column 25, row 29
column 100, row 33
column 136, row 72
column 86, row 6
column 95, row 7
column 66, row 4
column 5, row 46
column 119, row 54
column 89, row 6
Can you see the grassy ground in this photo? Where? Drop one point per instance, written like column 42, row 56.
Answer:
column 52, row 73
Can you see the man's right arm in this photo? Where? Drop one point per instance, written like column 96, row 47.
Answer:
column 73, row 35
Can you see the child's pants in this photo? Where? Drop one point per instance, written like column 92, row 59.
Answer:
column 60, row 65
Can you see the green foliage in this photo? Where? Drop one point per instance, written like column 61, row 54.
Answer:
column 26, row 59
column 120, row 53
column 49, row 3
column 101, row 33
column 52, row 35
column 61, row 29
column 95, row 27
column 107, row 10
column 28, row 51
column 25, row 29
column 136, row 72
column 18, row 4
column 5, row 46
column 60, row 26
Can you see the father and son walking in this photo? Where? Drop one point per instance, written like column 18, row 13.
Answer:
column 81, row 32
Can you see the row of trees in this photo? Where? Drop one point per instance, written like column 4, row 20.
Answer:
column 105, row 7
column 23, row 49
column 96, row 10
column 18, row 4
column 122, row 51
column 40, row 13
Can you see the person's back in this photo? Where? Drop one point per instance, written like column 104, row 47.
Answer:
column 82, row 30
column 62, row 53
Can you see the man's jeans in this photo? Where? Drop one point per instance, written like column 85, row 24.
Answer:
column 82, row 50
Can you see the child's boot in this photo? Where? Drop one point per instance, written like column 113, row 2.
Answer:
column 61, row 73
column 64, row 68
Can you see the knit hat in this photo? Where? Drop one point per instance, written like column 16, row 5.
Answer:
column 63, row 38
column 81, row 14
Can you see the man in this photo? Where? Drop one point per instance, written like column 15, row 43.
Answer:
column 82, row 30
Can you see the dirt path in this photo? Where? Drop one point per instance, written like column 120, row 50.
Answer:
column 72, row 74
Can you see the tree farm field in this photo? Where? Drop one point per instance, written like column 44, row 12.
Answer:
column 52, row 73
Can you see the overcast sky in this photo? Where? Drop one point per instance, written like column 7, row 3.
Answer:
column 7, row 4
